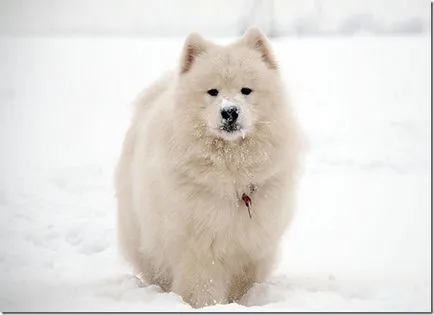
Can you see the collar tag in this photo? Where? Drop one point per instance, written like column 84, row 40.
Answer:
column 247, row 202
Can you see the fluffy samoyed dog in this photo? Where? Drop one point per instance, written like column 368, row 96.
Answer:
column 206, row 179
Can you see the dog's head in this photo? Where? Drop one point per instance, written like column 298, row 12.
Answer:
column 228, row 91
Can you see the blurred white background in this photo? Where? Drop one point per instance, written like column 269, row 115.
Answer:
column 358, row 73
column 174, row 17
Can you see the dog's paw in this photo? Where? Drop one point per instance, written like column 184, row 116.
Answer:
column 204, row 299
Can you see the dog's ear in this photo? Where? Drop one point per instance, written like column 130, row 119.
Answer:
column 194, row 46
column 256, row 40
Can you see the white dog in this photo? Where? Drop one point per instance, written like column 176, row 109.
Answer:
column 205, row 183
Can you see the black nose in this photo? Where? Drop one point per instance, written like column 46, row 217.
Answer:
column 229, row 114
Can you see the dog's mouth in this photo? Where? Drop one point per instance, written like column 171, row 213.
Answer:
column 230, row 127
column 231, row 132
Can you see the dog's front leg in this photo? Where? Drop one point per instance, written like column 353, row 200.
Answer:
column 200, row 281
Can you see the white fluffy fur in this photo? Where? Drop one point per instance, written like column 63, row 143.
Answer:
column 179, row 181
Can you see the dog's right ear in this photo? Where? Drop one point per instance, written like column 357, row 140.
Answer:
column 194, row 46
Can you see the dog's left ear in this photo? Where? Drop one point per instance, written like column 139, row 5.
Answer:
column 194, row 46
column 256, row 40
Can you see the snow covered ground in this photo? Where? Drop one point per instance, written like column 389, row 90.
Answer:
column 360, row 240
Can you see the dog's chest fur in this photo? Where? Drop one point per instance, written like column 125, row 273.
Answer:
column 219, row 217
column 210, row 183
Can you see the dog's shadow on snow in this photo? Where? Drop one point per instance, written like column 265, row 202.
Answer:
column 281, row 288
column 278, row 289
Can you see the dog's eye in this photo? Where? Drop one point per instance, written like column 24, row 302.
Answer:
column 213, row 92
column 246, row 91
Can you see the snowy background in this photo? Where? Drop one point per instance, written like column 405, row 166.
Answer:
column 170, row 18
column 69, row 70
